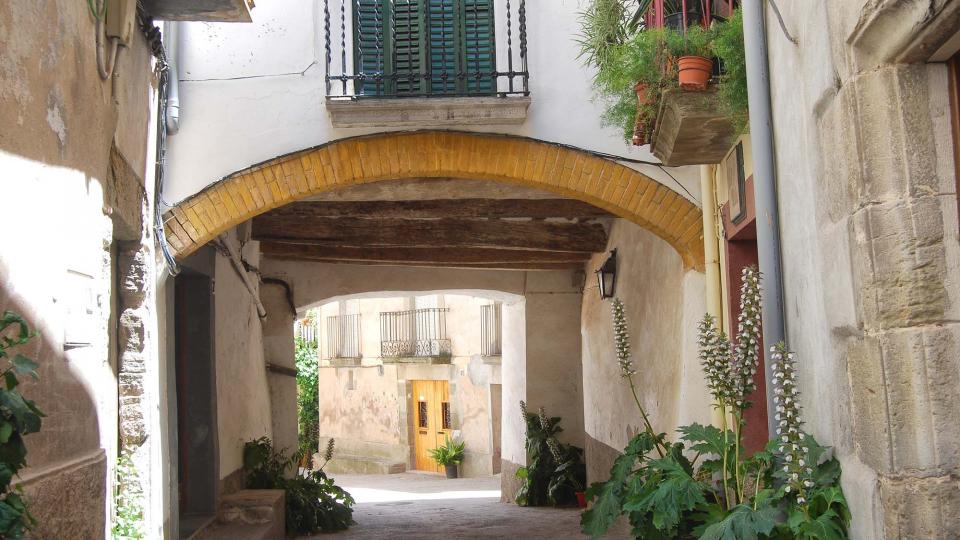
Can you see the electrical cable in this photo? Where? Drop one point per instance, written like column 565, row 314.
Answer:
column 163, row 75
column 105, row 70
column 783, row 27
column 614, row 157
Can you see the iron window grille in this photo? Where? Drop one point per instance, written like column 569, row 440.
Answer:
column 491, row 322
column 343, row 337
column 306, row 330
column 417, row 333
column 424, row 48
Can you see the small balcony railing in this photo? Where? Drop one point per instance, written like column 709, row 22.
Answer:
column 343, row 337
column 418, row 333
column 425, row 48
column 680, row 14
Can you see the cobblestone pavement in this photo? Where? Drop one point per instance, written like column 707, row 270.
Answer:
column 423, row 506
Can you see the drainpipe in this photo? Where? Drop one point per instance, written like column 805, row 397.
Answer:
column 765, row 187
column 711, row 257
column 172, row 30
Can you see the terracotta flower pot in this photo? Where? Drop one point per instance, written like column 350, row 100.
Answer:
column 581, row 499
column 694, row 72
column 641, row 90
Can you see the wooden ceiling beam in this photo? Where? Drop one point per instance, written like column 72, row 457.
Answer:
column 411, row 255
column 445, row 233
column 486, row 266
column 444, row 208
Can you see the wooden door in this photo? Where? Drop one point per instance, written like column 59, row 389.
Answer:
column 431, row 416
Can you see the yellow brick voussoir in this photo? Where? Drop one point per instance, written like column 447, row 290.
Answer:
column 563, row 170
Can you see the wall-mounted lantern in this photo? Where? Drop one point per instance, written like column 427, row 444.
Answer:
column 607, row 276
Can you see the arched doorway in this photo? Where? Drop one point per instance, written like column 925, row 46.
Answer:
column 567, row 171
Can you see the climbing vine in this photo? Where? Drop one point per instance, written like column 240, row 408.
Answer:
column 18, row 417
column 128, row 497
column 308, row 405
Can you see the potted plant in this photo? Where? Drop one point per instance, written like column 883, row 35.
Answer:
column 692, row 50
column 570, row 476
column 450, row 454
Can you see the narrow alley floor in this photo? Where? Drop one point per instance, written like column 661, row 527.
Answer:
column 424, row 506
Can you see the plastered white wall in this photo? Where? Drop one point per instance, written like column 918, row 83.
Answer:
column 251, row 92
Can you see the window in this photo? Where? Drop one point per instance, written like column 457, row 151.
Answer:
column 424, row 47
column 447, row 421
column 422, row 414
column 490, row 324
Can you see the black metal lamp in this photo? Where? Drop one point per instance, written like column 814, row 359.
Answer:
column 607, row 276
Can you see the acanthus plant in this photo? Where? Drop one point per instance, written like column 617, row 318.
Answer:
column 704, row 486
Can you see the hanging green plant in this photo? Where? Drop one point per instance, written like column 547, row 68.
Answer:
column 728, row 47
column 18, row 417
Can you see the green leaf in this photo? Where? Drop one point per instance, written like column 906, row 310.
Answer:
column 10, row 378
column 826, row 526
column 743, row 523
column 671, row 493
column 6, row 429
column 25, row 419
column 707, row 439
column 25, row 366
column 608, row 496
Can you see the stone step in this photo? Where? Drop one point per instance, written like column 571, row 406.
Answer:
column 347, row 464
column 238, row 531
column 256, row 513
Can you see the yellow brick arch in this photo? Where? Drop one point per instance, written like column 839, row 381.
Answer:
column 433, row 154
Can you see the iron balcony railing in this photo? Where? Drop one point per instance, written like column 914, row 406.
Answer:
column 414, row 333
column 680, row 14
column 425, row 48
column 343, row 337
column 490, row 325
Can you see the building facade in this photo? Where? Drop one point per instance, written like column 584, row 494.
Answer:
column 177, row 204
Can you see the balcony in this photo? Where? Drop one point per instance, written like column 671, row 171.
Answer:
column 415, row 63
column 415, row 336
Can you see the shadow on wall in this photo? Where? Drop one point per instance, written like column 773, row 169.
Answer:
column 66, row 475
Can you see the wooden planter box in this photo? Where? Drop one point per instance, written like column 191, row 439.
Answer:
column 690, row 129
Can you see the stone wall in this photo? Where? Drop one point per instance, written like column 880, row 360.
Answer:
column 871, row 254
column 74, row 151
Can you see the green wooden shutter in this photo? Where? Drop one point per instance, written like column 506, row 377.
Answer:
column 451, row 40
column 479, row 47
column 408, row 47
column 370, row 45
column 445, row 45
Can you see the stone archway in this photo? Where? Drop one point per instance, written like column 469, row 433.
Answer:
column 570, row 172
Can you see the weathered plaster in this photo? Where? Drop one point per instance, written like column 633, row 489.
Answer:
column 243, row 395
column 662, row 306
column 273, row 71
column 58, row 125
